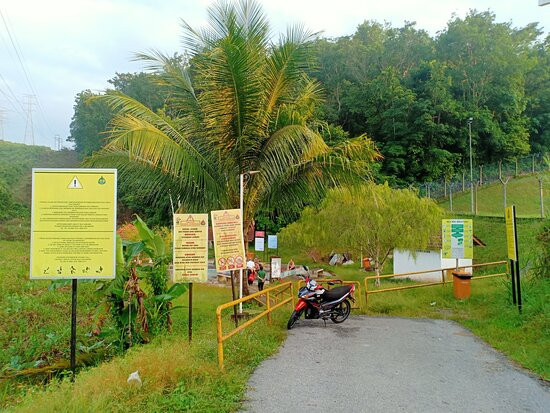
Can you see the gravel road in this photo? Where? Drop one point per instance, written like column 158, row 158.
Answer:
column 391, row 365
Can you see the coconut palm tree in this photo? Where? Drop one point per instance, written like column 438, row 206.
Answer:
column 241, row 102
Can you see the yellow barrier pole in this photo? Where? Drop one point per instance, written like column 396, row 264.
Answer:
column 366, row 292
column 220, row 337
column 268, row 308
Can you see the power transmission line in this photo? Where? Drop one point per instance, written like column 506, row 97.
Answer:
column 19, row 54
column 29, row 127
column 17, row 106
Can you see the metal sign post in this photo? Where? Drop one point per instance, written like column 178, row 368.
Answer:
column 73, row 229
column 513, row 255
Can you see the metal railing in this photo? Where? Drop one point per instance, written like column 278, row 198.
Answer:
column 429, row 284
column 276, row 292
column 357, row 284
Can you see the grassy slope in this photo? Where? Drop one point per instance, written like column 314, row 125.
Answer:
column 17, row 160
column 522, row 192
column 176, row 376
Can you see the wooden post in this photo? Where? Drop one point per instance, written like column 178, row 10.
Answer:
column 463, row 181
column 516, row 166
column 533, row 163
column 499, row 170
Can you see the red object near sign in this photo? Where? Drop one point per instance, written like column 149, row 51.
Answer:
column 259, row 234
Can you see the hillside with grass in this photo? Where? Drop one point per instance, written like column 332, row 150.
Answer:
column 16, row 163
column 523, row 192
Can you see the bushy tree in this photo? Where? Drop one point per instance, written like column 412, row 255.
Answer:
column 369, row 219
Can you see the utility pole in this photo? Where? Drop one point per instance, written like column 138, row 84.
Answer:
column 29, row 127
column 2, row 118
column 471, row 166
column 57, row 142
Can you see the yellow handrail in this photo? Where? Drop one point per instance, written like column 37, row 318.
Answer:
column 276, row 290
column 442, row 282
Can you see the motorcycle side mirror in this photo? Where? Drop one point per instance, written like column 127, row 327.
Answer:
column 330, row 283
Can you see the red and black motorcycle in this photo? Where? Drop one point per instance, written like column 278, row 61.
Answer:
column 318, row 302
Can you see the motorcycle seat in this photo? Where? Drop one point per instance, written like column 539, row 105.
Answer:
column 336, row 293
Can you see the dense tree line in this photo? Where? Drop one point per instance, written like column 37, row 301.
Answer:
column 410, row 92
column 413, row 93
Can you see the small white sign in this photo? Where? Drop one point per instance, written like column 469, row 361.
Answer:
column 275, row 267
column 272, row 242
column 259, row 244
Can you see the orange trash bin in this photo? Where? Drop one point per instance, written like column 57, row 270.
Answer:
column 461, row 284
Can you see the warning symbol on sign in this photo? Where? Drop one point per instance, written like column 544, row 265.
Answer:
column 75, row 184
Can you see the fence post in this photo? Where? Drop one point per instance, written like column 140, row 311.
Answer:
column 451, row 196
column 463, row 176
column 533, row 163
column 475, row 198
column 516, row 166
column 220, row 339
column 540, row 178
column 445, row 186
column 366, row 293
column 500, row 170
column 504, row 183
column 481, row 174
column 268, row 303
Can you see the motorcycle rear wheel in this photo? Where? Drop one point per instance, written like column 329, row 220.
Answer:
column 293, row 318
column 343, row 309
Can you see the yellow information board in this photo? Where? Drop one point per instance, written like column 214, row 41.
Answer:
column 190, row 248
column 457, row 238
column 228, row 239
column 73, row 224
column 510, row 233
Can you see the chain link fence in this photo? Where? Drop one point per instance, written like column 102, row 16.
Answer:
column 500, row 173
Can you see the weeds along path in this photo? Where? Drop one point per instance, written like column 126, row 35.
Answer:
column 391, row 364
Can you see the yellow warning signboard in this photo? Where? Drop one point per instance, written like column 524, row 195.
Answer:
column 190, row 253
column 511, row 233
column 73, row 225
column 228, row 239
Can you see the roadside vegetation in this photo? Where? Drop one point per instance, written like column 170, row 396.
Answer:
column 237, row 102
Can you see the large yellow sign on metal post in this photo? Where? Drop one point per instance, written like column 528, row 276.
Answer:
column 190, row 248
column 511, row 233
column 73, row 225
column 457, row 238
column 228, row 239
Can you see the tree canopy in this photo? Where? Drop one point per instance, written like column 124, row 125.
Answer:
column 413, row 93
column 241, row 103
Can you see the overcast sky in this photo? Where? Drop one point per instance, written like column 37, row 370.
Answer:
column 66, row 46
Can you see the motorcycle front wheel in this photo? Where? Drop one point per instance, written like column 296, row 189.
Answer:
column 293, row 318
column 341, row 312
